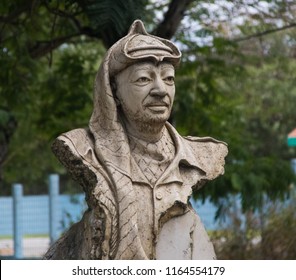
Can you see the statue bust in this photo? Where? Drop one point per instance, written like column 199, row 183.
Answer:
column 136, row 170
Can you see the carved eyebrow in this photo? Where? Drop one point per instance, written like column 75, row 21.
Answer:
column 167, row 70
column 135, row 72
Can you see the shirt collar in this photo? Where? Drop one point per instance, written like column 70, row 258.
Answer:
column 184, row 157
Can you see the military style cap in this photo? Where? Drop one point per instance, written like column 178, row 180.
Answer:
column 137, row 46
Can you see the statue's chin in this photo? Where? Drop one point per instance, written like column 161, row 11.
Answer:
column 155, row 118
column 147, row 122
column 151, row 125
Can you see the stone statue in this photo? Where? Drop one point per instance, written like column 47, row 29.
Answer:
column 136, row 170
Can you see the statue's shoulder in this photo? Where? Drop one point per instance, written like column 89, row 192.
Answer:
column 209, row 142
column 75, row 150
column 209, row 153
column 78, row 141
column 79, row 137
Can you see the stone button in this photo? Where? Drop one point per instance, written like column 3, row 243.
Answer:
column 159, row 195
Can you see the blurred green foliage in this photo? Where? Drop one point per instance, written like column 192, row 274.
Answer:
column 55, row 100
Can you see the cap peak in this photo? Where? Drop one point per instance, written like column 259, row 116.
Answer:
column 137, row 27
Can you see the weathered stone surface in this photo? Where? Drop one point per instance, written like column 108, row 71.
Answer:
column 136, row 170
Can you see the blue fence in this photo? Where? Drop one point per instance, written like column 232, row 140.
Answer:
column 35, row 218
column 32, row 223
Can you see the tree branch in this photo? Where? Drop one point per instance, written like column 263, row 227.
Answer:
column 61, row 13
column 42, row 48
column 15, row 14
column 168, row 27
column 266, row 32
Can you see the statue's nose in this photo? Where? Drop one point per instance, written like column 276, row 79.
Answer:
column 159, row 87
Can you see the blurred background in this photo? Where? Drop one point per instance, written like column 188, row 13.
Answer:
column 236, row 83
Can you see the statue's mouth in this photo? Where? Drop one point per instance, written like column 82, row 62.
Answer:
column 157, row 107
column 157, row 104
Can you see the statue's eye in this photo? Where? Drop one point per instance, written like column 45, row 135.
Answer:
column 170, row 80
column 143, row 80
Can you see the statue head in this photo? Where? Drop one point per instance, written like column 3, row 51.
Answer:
column 142, row 70
column 121, row 103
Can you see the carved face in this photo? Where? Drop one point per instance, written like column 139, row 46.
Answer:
column 146, row 92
